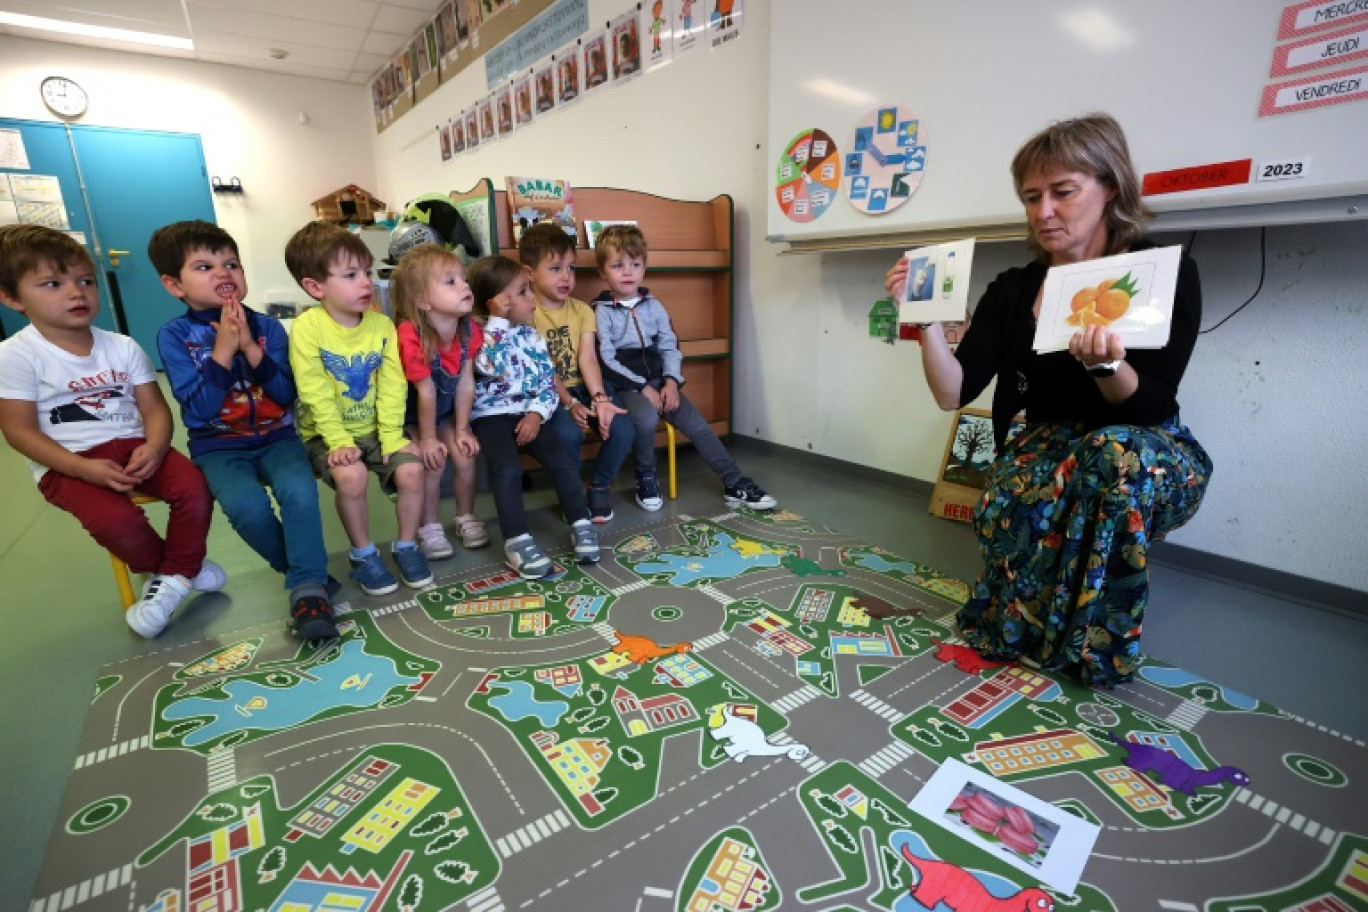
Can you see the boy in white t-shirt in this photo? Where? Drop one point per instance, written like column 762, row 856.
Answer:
column 84, row 406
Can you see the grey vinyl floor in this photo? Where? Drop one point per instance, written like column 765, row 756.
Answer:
column 62, row 621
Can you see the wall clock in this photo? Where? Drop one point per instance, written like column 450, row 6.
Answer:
column 64, row 97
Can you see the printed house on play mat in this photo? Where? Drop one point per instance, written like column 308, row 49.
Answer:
column 349, row 204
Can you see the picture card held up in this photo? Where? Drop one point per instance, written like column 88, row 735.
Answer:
column 937, row 287
column 1130, row 295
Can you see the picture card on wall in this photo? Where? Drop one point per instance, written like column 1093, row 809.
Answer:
column 937, row 287
column 503, row 109
column 444, row 140
column 625, row 46
column 690, row 22
column 487, row 132
column 544, row 87
column 657, row 24
column 1130, row 294
column 522, row 100
column 457, row 130
column 1014, row 826
column 568, row 73
column 595, row 61
column 724, row 23
column 472, row 126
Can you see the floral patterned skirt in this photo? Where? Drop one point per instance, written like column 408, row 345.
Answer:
column 1065, row 524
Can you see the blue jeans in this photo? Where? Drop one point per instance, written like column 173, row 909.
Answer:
column 611, row 455
column 293, row 543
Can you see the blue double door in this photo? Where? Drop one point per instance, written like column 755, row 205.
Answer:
column 117, row 187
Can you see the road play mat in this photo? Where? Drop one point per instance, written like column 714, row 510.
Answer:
column 741, row 712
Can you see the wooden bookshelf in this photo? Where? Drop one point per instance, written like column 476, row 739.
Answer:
column 689, row 268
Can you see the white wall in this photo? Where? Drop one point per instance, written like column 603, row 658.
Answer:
column 248, row 123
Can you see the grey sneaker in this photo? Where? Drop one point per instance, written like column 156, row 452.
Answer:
column 413, row 567
column 434, row 542
column 585, row 540
column 600, row 504
column 648, row 492
column 526, row 558
column 161, row 596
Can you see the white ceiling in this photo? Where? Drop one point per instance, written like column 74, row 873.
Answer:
column 338, row 40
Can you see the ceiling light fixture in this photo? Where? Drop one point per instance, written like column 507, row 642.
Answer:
column 39, row 23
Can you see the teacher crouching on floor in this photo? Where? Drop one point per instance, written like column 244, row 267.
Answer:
column 1104, row 465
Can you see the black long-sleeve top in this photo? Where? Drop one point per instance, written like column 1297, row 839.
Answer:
column 1055, row 386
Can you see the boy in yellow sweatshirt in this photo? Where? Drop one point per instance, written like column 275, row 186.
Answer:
column 351, row 386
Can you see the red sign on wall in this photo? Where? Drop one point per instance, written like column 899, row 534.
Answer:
column 1200, row 177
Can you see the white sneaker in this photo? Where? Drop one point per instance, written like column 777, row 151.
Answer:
column 434, row 542
column 523, row 555
column 161, row 596
column 211, row 578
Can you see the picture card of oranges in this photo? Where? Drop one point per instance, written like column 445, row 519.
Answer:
column 1130, row 295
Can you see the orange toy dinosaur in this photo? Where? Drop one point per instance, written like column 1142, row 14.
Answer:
column 640, row 649
column 941, row 882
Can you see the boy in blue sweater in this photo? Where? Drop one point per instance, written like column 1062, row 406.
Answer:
column 229, row 369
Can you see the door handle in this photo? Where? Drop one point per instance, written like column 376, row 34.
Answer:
column 115, row 254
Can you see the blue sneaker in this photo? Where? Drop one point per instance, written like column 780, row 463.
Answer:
column 413, row 567
column 372, row 576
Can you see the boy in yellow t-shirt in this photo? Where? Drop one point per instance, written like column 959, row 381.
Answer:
column 352, row 391
column 567, row 325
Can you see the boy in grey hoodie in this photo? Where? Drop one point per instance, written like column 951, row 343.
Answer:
column 642, row 361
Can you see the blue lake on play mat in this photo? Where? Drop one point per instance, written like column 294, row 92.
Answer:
column 354, row 679
column 1176, row 677
column 518, row 703
column 721, row 562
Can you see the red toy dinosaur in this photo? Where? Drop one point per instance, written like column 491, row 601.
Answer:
column 964, row 657
column 941, row 882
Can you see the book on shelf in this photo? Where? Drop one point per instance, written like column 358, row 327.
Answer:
column 1130, row 294
column 532, row 200
column 937, row 289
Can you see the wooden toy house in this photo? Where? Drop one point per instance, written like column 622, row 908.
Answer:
column 349, row 205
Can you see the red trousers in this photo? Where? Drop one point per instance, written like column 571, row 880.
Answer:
column 121, row 527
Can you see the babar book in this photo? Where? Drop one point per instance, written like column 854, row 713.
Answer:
column 532, row 200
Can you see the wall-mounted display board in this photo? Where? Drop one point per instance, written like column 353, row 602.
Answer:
column 1239, row 112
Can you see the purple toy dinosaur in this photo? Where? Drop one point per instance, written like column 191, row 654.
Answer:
column 1172, row 770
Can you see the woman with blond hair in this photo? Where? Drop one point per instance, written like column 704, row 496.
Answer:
column 1103, row 466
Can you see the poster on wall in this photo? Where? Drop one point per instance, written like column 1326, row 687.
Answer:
column 724, row 24
column 568, row 71
column 657, row 18
column 544, row 86
column 472, row 126
column 522, row 100
column 595, row 61
column 423, row 52
column 690, row 21
column 444, row 141
column 38, row 200
column 469, row 11
column 625, row 45
column 448, row 40
column 12, row 152
column 401, row 74
column 885, row 161
column 9, row 212
column 503, row 109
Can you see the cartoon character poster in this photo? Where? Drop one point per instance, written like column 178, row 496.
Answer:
column 568, row 70
column 688, row 25
column 544, row 87
column 595, row 61
column 656, row 28
column 522, row 100
column 724, row 22
column 625, row 46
